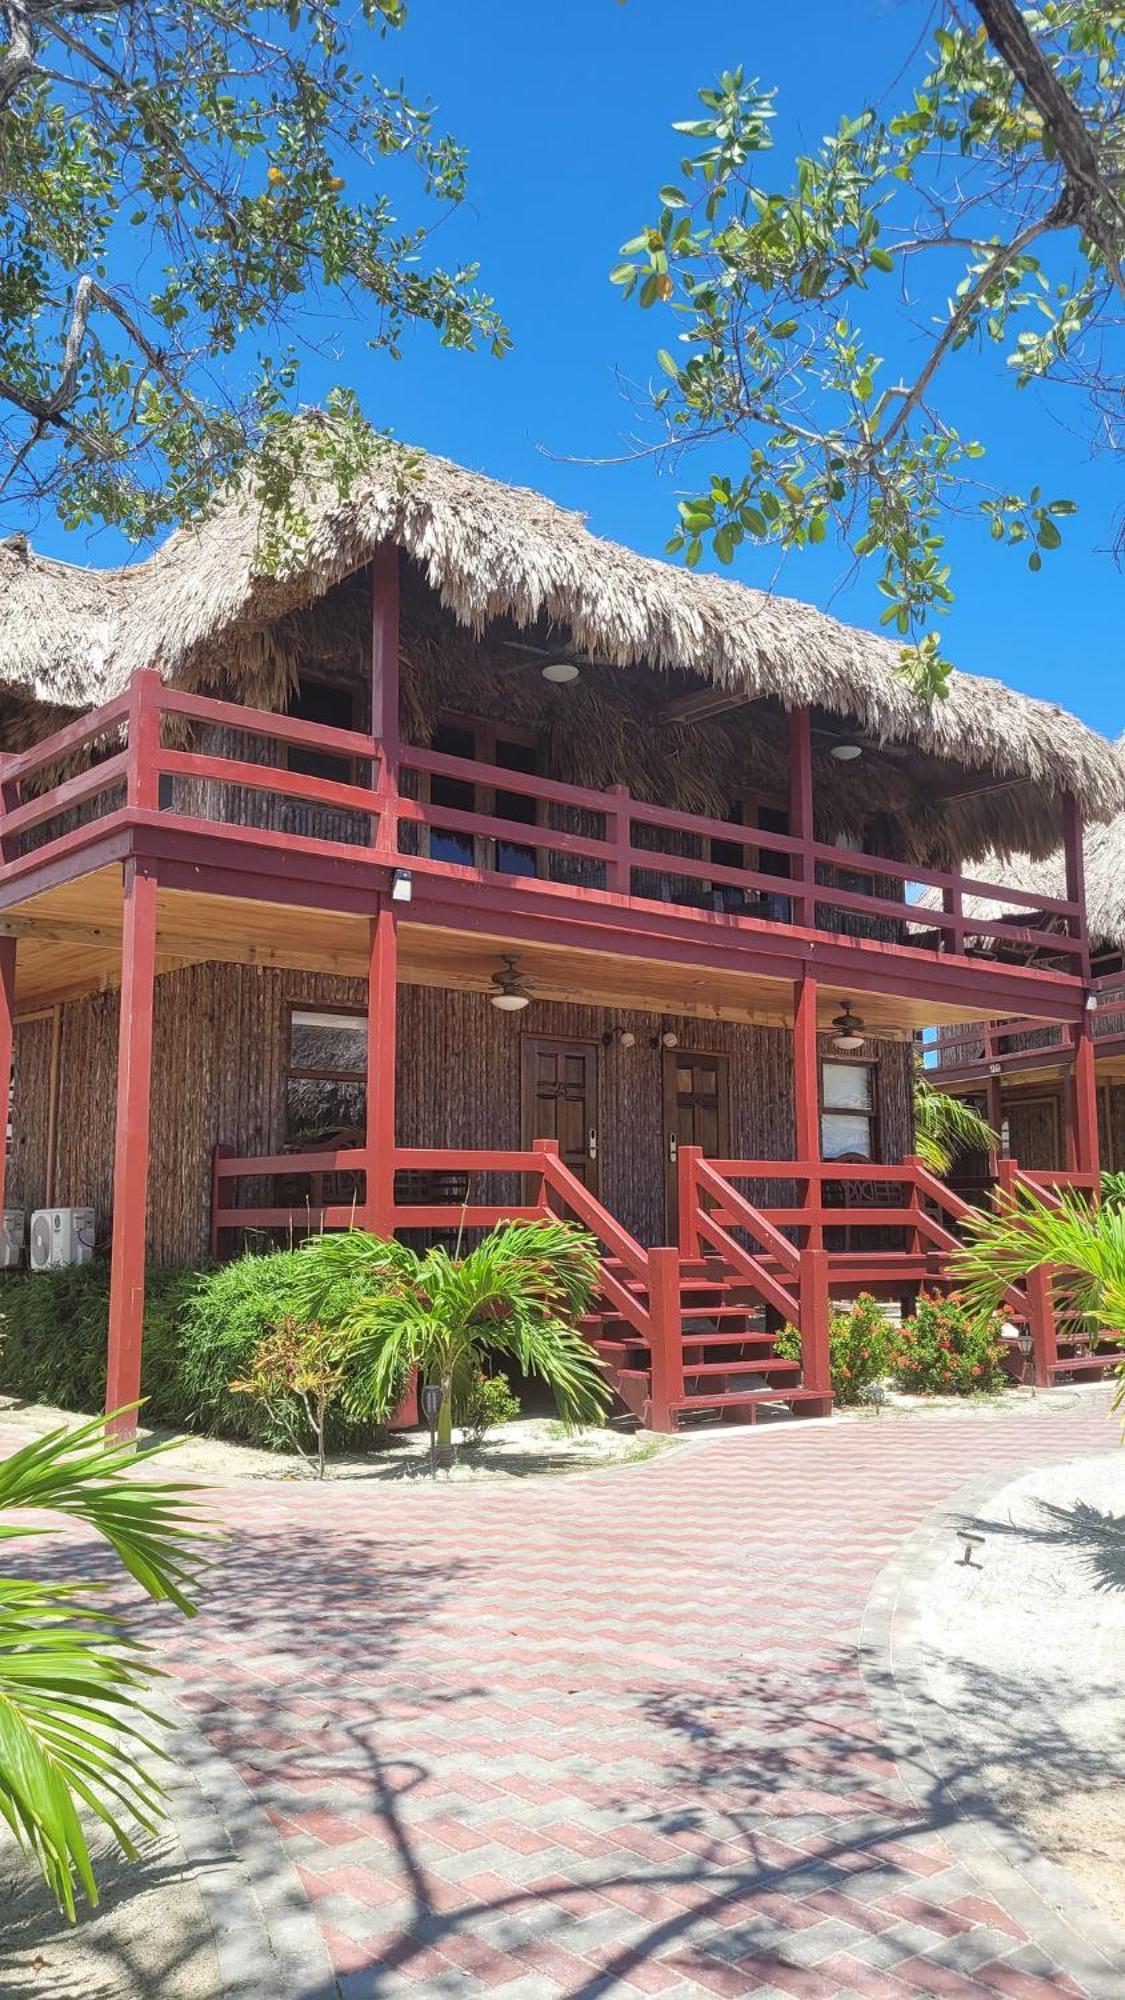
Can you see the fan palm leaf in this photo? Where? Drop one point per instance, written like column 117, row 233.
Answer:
column 75, row 1730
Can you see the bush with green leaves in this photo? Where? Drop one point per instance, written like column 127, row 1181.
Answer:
column 55, row 1326
column 859, row 1343
column 487, row 1402
column 947, row 1349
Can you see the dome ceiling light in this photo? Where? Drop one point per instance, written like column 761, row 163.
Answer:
column 849, row 1030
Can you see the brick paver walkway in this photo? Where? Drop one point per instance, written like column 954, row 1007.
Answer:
column 607, row 1733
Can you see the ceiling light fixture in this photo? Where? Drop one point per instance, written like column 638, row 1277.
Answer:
column 849, row 1030
column 846, row 753
column 511, row 989
column 560, row 672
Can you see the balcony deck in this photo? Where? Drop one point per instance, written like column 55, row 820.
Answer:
column 614, row 899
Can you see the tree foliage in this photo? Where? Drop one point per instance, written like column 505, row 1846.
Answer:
column 987, row 213
column 75, row 1728
column 947, row 1127
column 191, row 197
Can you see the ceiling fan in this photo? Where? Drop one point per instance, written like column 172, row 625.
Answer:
column 559, row 664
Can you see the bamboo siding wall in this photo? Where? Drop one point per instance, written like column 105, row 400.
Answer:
column 219, row 1077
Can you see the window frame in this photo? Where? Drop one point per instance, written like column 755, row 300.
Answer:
column 344, row 768
column 486, row 733
column 299, row 1073
column 838, row 1060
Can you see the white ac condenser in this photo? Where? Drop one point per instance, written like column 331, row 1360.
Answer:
column 61, row 1236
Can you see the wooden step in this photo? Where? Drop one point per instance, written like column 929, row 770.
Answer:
column 748, row 1367
column 742, row 1398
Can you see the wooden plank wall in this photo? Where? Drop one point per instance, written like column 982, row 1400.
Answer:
column 219, row 1077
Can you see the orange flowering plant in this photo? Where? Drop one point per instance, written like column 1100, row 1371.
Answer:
column 944, row 1348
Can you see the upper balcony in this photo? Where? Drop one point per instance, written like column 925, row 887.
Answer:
column 238, row 808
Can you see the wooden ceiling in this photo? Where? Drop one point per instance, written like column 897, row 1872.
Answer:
column 71, row 941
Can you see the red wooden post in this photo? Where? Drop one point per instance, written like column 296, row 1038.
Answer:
column 131, row 1144
column 953, row 934
column 619, row 872
column 143, row 785
column 995, row 1114
column 382, row 1009
column 1084, row 1100
column 812, row 1293
column 7, row 1041
column 806, row 1095
column 1041, row 1316
column 9, row 800
column 385, row 688
column 1075, row 860
column 801, row 815
column 666, row 1348
column 687, row 1199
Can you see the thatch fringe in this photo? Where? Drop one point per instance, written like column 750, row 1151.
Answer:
column 203, row 611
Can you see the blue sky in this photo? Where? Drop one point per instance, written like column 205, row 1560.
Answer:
column 565, row 107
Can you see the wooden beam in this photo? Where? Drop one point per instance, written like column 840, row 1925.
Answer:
column 7, row 1032
column 382, row 1014
column 131, row 1145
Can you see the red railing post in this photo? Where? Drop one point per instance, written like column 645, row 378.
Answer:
column 619, row 871
column 953, row 907
column 7, row 1043
column 666, row 1348
column 812, row 1292
column 801, row 821
column 1041, row 1319
column 542, row 1194
column 687, row 1202
column 131, row 1144
column 143, row 782
column 382, row 1016
column 219, row 1154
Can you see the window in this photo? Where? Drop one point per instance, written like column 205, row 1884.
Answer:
column 333, row 706
column 763, row 860
column 484, row 743
column 326, row 1082
column 847, row 1113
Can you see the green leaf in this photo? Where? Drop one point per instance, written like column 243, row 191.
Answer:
column 673, row 197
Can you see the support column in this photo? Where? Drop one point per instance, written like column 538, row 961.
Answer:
column 1084, row 1100
column 7, row 1042
column 382, row 1003
column 385, row 687
column 131, row 1143
column 801, row 815
column 806, row 1081
column 994, row 1111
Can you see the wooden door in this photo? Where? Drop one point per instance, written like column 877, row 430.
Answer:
column 696, row 1113
column 560, row 1101
column 1035, row 1132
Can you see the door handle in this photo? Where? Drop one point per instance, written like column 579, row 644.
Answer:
column 673, row 1147
column 592, row 1143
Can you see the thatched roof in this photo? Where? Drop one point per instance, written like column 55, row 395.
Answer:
column 1105, row 884
column 203, row 610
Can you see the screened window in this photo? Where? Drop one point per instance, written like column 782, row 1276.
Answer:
column 326, row 1083
column 847, row 1114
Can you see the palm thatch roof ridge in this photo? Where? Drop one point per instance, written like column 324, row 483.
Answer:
column 201, row 608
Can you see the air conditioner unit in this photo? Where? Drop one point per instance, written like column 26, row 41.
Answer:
column 12, row 1239
column 61, row 1236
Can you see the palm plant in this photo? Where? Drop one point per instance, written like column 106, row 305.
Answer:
column 1024, row 1233
column 945, row 1127
column 520, row 1293
column 74, row 1728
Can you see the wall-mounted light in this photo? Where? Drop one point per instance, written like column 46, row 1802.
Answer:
column 511, row 989
column 624, row 1037
column 402, row 885
column 667, row 1040
column 560, row 673
column 846, row 753
column 849, row 1031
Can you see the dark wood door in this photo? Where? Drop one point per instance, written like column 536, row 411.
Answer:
column 696, row 1113
column 560, row 1101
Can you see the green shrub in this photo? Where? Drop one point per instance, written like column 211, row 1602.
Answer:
column 55, row 1330
column 488, row 1401
column 859, row 1349
column 944, row 1349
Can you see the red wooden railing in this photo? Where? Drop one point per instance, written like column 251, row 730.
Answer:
column 128, row 738
column 964, row 1048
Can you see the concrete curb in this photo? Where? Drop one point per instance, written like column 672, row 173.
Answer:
column 1054, row 1912
column 268, row 1942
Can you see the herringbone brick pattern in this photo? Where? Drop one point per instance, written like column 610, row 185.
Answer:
column 607, row 1733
